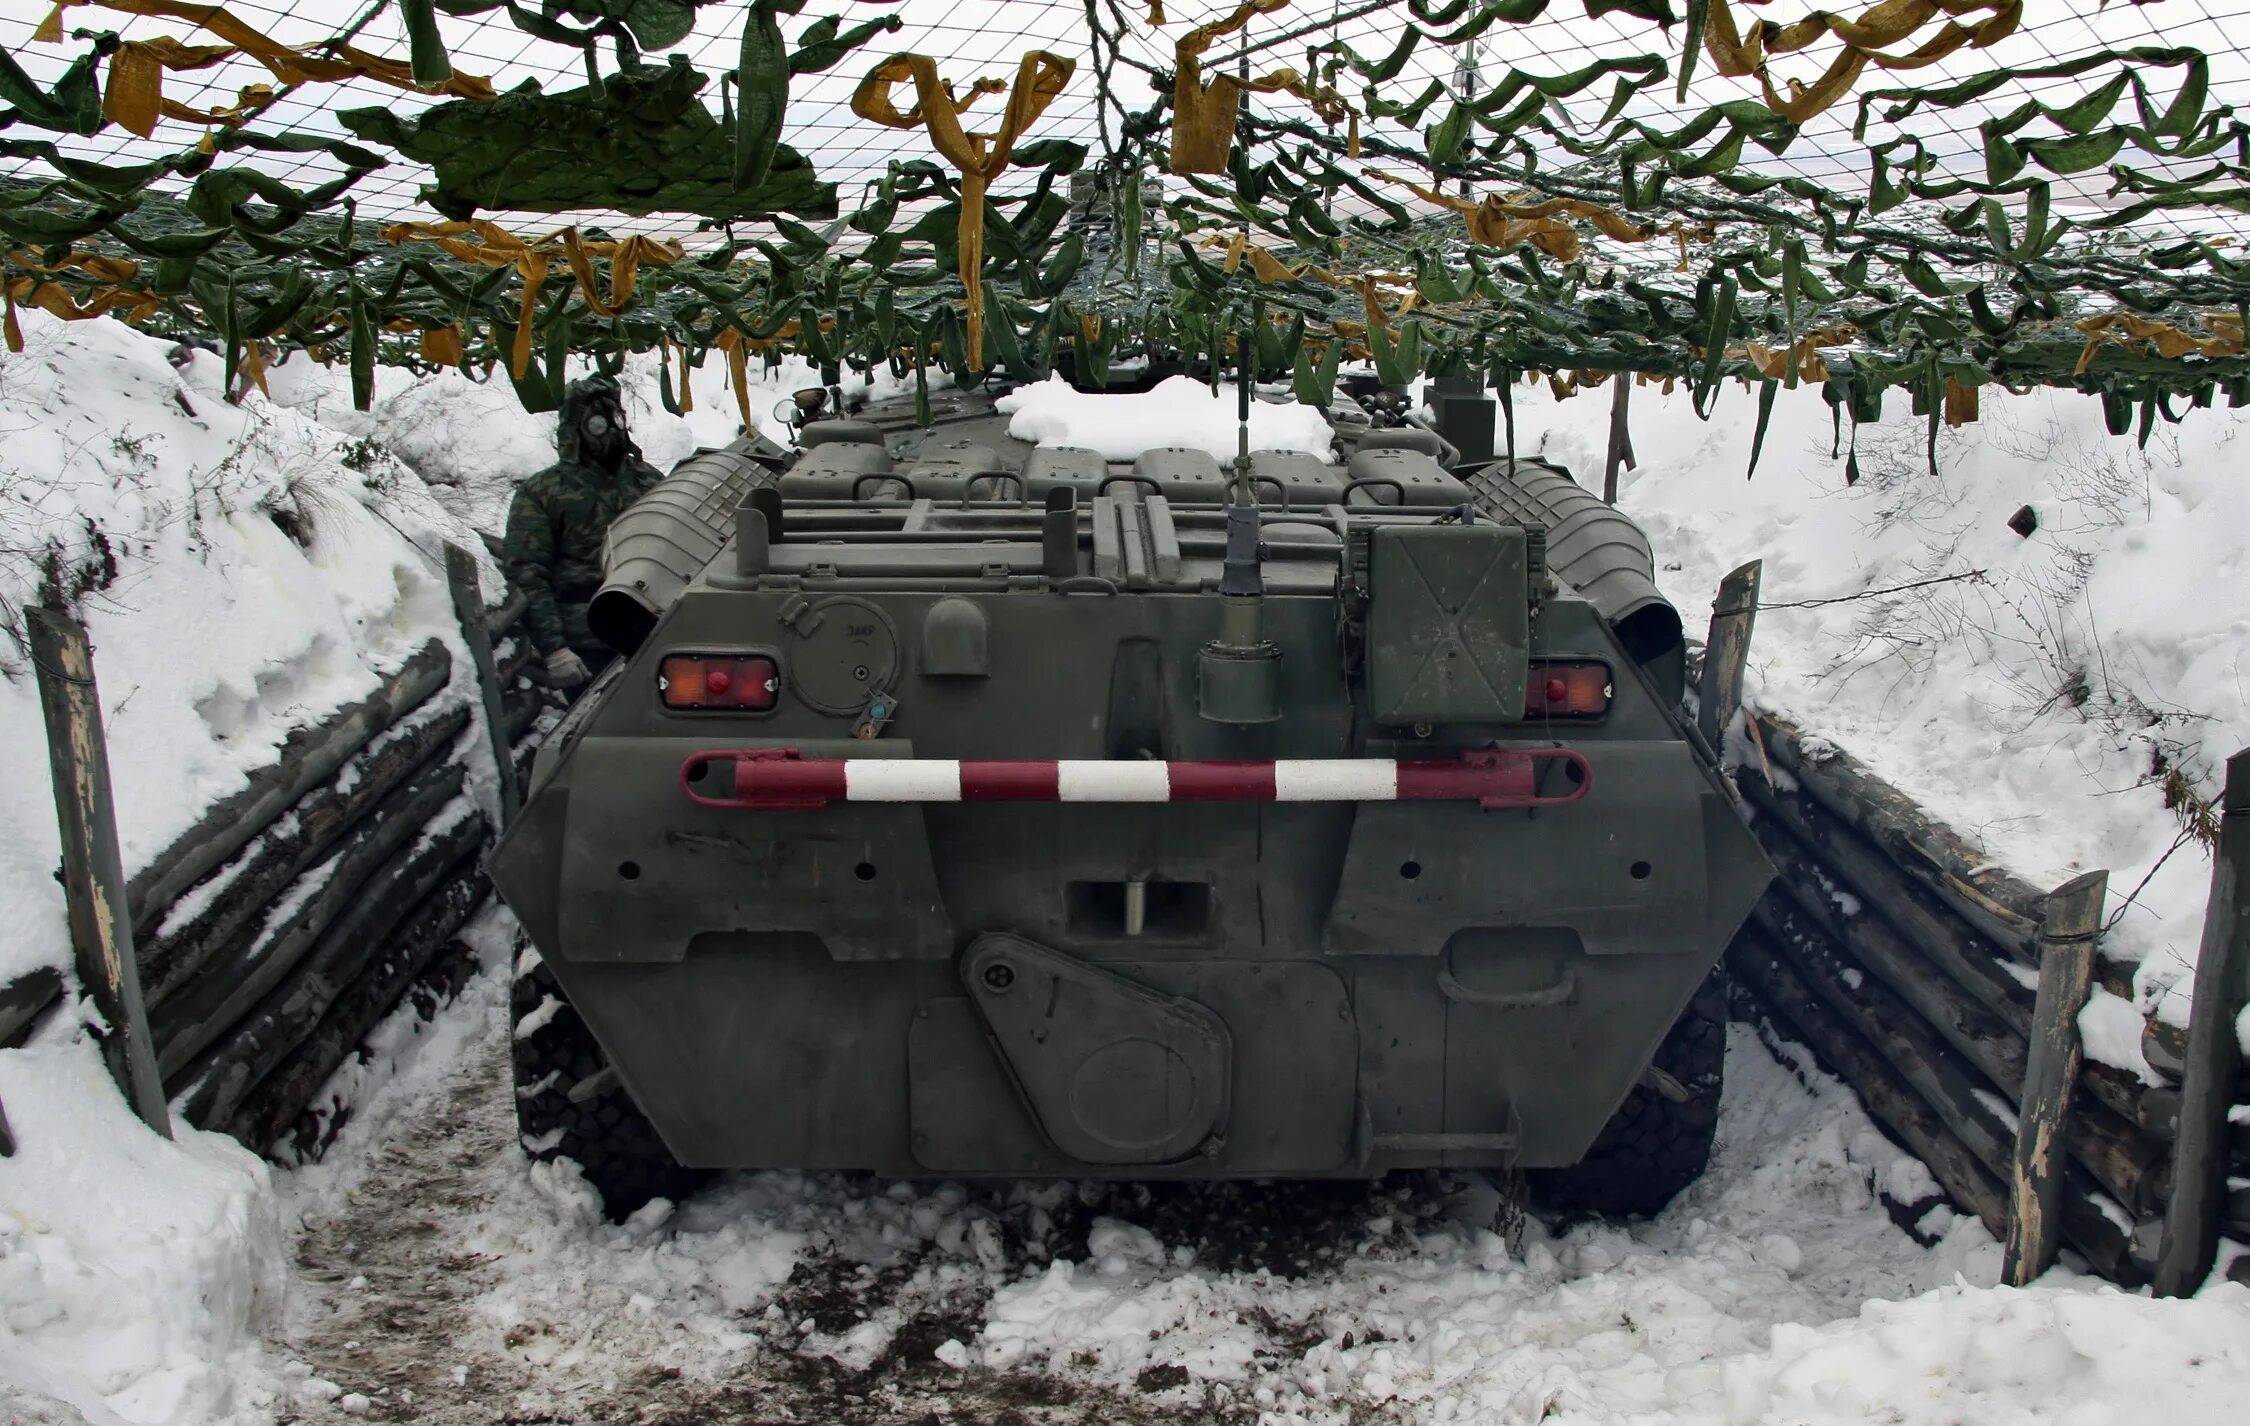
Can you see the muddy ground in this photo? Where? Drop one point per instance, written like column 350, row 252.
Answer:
column 382, row 1327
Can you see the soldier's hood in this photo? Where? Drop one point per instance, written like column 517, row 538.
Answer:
column 588, row 391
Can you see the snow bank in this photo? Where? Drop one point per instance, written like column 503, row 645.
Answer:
column 243, row 571
column 2038, row 697
column 473, row 442
column 133, row 1272
column 1180, row 411
column 2045, row 1356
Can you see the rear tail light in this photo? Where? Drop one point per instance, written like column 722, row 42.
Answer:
column 1567, row 690
column 734, row 682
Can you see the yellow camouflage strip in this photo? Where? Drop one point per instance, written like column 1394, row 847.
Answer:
column 134, row 96
column 979, row 158
column 2139, row 334
column 484, row 242
column 1203, row 114
column 1740, row 53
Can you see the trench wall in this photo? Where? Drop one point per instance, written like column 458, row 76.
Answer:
column 1909, row 968
column 298, row 914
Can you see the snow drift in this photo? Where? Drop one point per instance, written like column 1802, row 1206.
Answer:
column 242, row 570
column 2047, row 693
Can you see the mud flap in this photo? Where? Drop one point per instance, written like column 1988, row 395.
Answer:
column 1290, row 1106
column 1114, row 1072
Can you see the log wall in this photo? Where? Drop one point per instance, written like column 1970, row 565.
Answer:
column 1910, row 967
column 302, row 911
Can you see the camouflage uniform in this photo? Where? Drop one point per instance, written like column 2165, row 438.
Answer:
column 559, row 517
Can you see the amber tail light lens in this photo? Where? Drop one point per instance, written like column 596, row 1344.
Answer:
column 1567, row 690
column 729, row 682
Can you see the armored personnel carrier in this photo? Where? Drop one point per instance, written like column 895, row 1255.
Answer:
column 968, row 808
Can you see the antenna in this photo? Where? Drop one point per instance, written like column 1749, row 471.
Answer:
column 1243, row 377
column 1464, row 89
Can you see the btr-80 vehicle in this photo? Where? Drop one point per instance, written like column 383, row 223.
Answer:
column 964, row 808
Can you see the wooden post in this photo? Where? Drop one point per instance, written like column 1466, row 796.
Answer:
column 1620, row 437
column 2214, row 1053
column 468, row 610
column 101, row 933
column 1726, row 655
column 2050, row 1075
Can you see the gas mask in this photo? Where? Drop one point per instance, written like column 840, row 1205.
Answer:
column 601, row 429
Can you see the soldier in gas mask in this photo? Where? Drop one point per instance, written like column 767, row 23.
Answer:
column 553, row 551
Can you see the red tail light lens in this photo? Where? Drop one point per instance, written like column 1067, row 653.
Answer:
column 1567, row 690
column 719, row 682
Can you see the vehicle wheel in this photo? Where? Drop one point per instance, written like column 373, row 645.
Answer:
column 1654, row 1145
column 608, row 1137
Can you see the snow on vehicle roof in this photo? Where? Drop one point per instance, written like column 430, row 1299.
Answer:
column 1180, row 411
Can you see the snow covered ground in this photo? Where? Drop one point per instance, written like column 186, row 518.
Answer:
column 246, row 568
column 444, row 1280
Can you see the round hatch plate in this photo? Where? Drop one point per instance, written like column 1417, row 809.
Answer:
column 846, row 652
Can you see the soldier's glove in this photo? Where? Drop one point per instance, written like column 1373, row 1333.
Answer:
column 566, row 669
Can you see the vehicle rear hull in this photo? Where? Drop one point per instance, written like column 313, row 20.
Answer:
column 1397, row 984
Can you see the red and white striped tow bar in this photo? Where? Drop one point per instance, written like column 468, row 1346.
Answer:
column 779, row 779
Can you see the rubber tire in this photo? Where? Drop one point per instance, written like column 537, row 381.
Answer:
column 608, row 1136
column 1653, row 1147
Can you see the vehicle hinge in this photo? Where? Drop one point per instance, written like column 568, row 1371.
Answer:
column 797, row 613
column 1352, row 586
column 1536, row 578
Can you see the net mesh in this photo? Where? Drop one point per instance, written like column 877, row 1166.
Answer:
column 2059, row 198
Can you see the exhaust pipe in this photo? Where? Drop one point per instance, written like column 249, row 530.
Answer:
column 665, row 538
column 1593, row 548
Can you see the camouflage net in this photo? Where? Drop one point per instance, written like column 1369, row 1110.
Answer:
column 1321, row 211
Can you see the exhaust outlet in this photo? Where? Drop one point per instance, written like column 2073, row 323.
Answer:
column 665, row 538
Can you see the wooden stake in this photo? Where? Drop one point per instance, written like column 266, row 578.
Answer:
column 468, row 610
column 2214, row 1053
column 1726, row 654
column 101, row 933
column 1620, row 438
column 2050, row 1076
